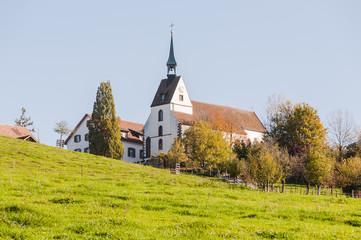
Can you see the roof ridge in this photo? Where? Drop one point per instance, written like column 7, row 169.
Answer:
column 223, row 106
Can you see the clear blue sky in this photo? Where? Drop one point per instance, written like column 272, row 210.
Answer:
column 54, row 54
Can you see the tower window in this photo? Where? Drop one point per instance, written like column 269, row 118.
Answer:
column 160, row 131
column 180, row 97
column 162, row 97
column 160, row 144
column 160, row 115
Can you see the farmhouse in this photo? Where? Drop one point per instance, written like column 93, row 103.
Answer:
column 17, row 132
column 172, row 112
column 132, row 139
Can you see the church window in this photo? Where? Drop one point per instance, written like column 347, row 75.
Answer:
column 77, row 138
column 160, row 144
column 77, row 150
column 131, row 152
column 160, row 115
column 162, row 97
column 147, row 147
column 160, row 131
column 180, row 97
column 141, row 153
column 86, row 137
column 86, row 150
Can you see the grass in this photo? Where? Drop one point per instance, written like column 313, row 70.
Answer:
column 50, row 193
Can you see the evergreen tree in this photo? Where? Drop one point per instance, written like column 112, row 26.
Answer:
column 104, row 131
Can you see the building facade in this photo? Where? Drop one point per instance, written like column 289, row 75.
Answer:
column 172, row 112
column 132, row 139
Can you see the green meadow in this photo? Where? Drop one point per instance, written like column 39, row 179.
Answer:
column 50, row 193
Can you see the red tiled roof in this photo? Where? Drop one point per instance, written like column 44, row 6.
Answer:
column 132, row 125
column 17, row 132
column 243, row 119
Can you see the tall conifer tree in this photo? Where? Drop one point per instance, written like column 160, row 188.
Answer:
column 104, row 131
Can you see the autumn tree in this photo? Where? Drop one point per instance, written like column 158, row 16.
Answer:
column 24, row 121
column 318, row 166
column 225, row 124
column 206, row 148
column 104, row 131
column 264, row 167
column 176, row 153
column 349, row 172
column 294, row 126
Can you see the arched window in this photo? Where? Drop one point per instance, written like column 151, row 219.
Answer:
column 160, row 131
column 160, row 144
column 160, row 115
column 147, row 147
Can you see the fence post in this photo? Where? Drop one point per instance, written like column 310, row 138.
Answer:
column 307, row 189
column 336, row 193
column 318, row 190
column 353, row 193
column 332, row 191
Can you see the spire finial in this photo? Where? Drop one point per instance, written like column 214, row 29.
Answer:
column 171, row 28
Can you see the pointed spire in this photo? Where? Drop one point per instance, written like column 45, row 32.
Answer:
column 171, row 63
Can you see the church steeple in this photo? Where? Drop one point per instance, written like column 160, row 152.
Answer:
column 171, row 63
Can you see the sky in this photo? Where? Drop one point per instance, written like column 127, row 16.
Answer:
column 55, row 54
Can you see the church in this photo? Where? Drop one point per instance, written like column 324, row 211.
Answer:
column 172, row 112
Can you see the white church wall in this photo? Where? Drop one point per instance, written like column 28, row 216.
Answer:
column 180, row 101
column 254, row 136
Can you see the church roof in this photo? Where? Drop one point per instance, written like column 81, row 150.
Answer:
column 167, row 87
column 17, row 132
column 242, row 119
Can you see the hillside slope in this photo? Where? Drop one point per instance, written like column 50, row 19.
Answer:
column 50, row 193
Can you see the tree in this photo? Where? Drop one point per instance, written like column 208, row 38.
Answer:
column 318, row 166
column 341, row 129
column 294, row 126
column 206, row 148
column 24, row 121
column 264, row 167
column 62, row 128
column 349, row 172
column 104, row 131
column 176, row 154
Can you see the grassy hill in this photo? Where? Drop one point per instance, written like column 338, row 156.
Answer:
column 50, row 193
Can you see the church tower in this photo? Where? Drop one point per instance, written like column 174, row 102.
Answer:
column 171, row 97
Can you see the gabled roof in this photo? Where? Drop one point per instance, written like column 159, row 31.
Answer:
column 76, row 128
column 242, row 119
column 17, row 132
column 167, row 87
column 125, row 126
